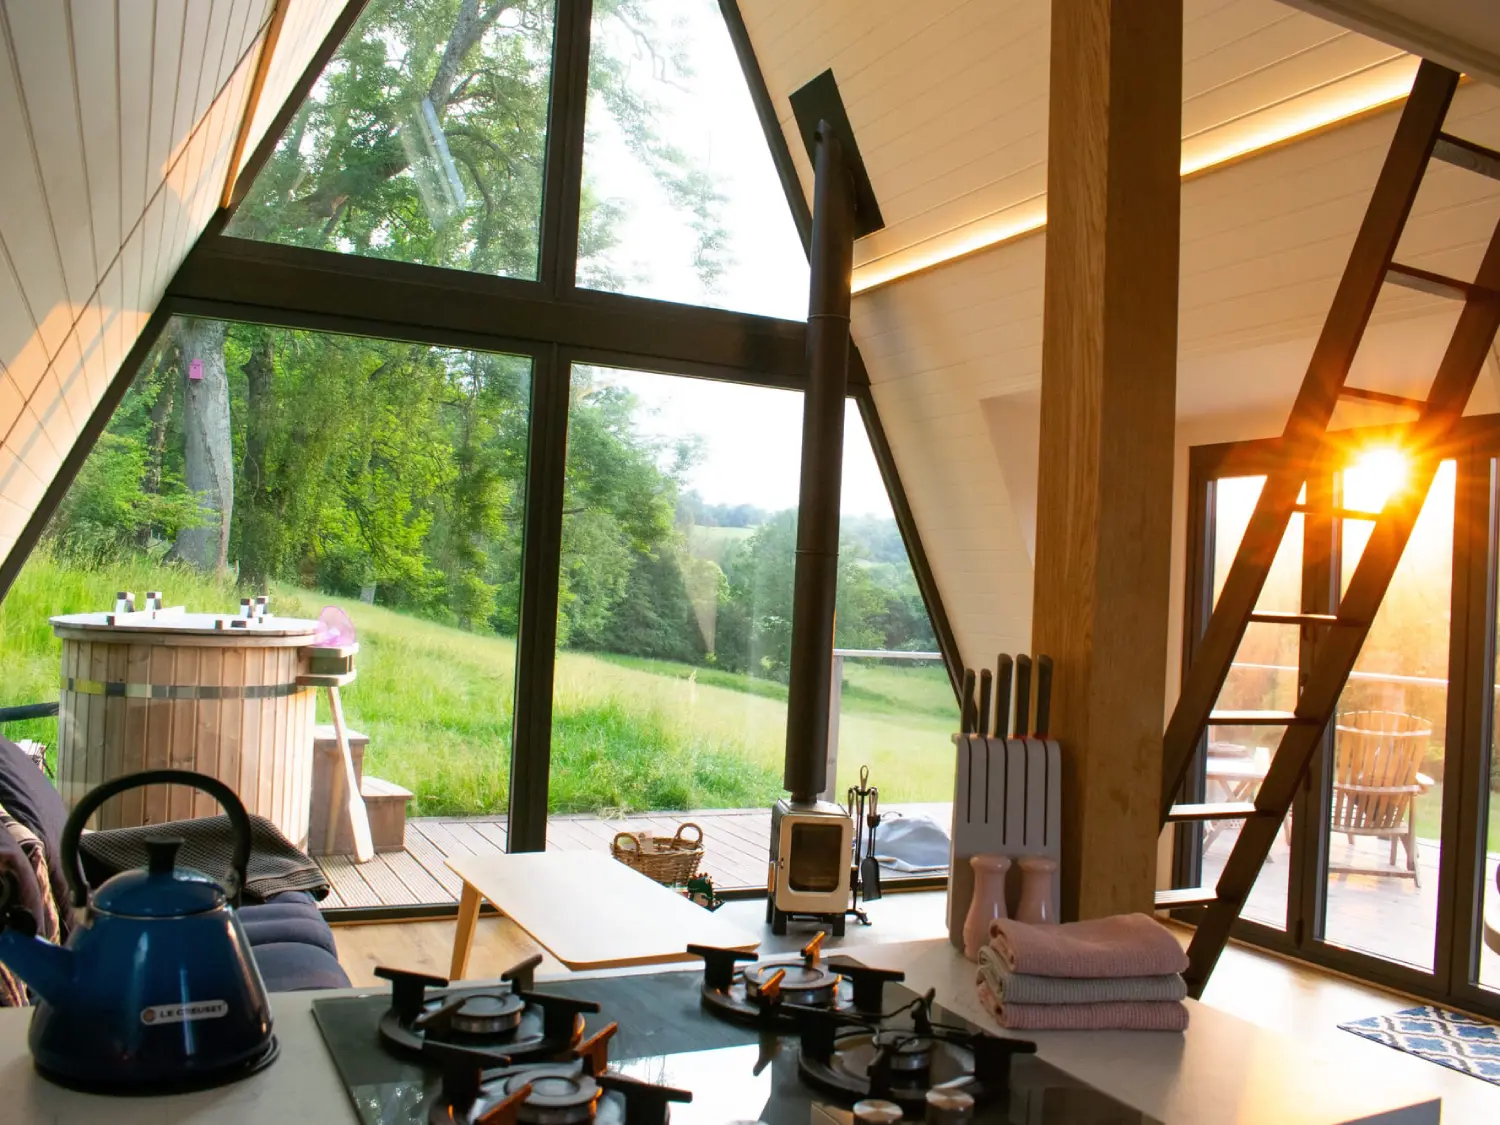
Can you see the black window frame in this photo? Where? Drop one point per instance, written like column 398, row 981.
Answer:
column 550, row 320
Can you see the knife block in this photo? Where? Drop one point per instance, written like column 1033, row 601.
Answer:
column 1007, row 800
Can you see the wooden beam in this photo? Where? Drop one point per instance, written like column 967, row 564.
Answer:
column 257, row 84
column 1109, row 372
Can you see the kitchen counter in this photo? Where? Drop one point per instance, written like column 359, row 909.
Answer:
column 1223, row 1071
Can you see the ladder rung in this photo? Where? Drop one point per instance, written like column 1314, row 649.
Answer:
column 1336, row 513
column 1186, row 896
column 1258, row 719
column 1220, row 810
column 1298, row 619
column 1425, row 281
column 1382, row 397
column 1466, row 154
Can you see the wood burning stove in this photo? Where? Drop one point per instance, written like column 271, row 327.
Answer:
column 811, row 839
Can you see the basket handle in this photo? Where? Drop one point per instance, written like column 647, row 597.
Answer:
column 635, row 842
column 683, row 827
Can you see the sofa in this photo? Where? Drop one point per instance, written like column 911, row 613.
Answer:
column 293, row 946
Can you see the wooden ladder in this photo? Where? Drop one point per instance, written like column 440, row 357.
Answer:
column 1335, row 639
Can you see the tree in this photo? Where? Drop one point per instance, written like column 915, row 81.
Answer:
column 208, row 453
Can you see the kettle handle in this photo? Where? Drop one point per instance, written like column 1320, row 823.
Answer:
column 233, row 807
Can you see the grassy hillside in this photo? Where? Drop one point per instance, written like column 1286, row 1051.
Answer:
column 436, row 702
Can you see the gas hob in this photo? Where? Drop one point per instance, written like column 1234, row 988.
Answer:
column 636, row 1045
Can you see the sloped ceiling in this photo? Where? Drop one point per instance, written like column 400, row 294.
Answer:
column 117, row 121
column 948, row 102
column 1463, row 34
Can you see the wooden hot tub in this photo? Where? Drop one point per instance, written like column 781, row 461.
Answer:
column 187, row 691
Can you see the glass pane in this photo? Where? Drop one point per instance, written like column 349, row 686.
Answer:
column 1387, row 775
column 1489, row 871
column 895, row 707
column 423, row 141
column 1263, row 677
column 678, row 543
column 680, row 199
column 381, row 478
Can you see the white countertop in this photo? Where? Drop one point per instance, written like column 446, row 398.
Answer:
column 1223, row 1071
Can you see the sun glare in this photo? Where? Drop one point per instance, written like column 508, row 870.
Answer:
column 1374, row 476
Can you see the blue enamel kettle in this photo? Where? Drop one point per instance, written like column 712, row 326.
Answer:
column 156, row 989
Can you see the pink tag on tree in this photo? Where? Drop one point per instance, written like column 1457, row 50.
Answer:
column 195, row 370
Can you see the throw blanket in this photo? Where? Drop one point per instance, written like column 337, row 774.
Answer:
column 25, row 889
column 1020, row 988
column 276, row 864
column 1124, row 945
column 1119, row 1015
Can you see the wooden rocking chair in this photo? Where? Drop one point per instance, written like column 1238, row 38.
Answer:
column 1376, row 781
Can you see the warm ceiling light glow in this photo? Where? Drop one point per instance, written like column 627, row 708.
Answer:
column 1376, row 86
column 1376, row 474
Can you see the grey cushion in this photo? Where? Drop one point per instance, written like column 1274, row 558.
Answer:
column 293, row 966
column 272, row 931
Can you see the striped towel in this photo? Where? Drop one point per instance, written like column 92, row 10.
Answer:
column 1123, row 945
column 1118, row 1015
column 1021, row 988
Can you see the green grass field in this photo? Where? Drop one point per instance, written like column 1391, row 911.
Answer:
column 628, row 734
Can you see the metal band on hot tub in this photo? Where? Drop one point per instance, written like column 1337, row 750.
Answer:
column 181, row 691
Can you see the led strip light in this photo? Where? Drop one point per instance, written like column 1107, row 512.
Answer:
column 1377, row 86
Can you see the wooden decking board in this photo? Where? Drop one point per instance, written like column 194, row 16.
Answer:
column 348, row 882
column 418, row 880
column 431, row 857
column 737, row 842
column 390, row 887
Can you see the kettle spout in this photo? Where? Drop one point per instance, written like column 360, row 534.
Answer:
column 46, row 968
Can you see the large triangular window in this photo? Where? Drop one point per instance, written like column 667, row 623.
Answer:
column 680, row 198
column 424, row 140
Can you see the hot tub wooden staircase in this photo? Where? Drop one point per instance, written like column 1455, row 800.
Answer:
column 1330, row 641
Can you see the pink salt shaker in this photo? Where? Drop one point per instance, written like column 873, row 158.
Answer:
column 1036, row 905
column 988, row 902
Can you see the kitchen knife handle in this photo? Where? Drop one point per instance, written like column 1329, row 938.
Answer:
column 1043, row 695
column 1002, row 695
column 982, row 727
column 1023, row 695
column 966, row 704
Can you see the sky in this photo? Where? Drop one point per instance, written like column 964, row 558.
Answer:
column 751, row 435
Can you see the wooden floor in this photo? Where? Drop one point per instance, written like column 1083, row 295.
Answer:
column 736, row 842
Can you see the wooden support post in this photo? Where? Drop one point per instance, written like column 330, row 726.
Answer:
column 1109, row 364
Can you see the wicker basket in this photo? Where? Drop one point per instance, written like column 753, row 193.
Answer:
column 667, row 861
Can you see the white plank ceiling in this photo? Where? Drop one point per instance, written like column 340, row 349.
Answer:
column 948, row 103
column 117, row 120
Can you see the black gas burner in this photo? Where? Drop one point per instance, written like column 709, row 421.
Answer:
column 576, row 1091
column 497, row 1025
column 900, row 1056
column 760, row 993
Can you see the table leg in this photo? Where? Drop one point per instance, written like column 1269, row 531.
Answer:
column 463, row 936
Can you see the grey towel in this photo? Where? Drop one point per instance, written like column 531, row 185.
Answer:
column 276, row 864
column 1021, row 988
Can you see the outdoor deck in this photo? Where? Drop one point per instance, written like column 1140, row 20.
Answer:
column 736, row 842
column 1388, row 917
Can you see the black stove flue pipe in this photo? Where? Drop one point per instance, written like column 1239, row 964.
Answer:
column 816, row 582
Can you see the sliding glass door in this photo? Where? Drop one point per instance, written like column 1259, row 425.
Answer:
column 1386, row 867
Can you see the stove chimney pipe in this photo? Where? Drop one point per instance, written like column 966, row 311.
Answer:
column 816, row 582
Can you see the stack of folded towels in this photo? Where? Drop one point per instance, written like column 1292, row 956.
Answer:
column 1118, row 973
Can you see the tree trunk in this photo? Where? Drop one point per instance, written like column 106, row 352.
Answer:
column 258, row 525
column 208, row 455
column 156, row 440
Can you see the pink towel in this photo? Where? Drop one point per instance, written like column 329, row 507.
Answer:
column 1116, row 1015
column 1124, row 945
